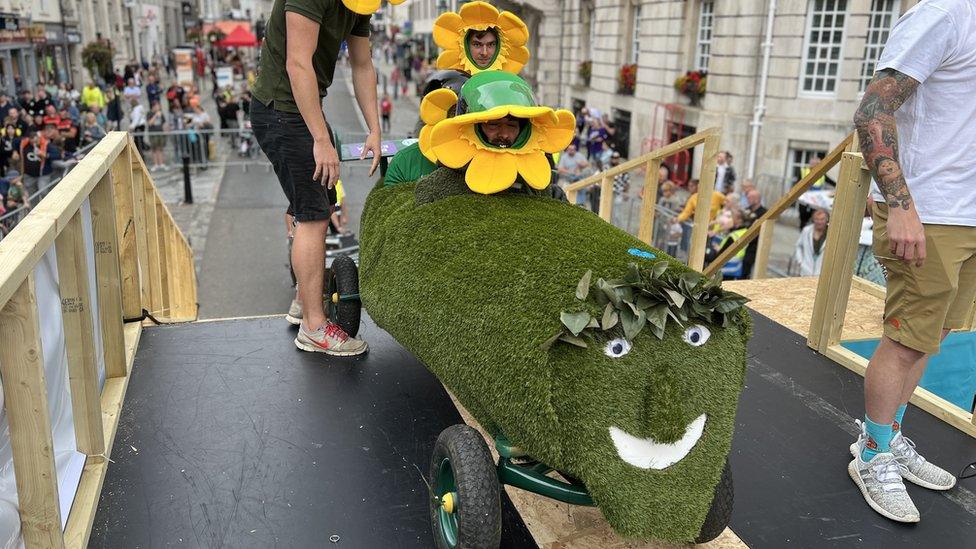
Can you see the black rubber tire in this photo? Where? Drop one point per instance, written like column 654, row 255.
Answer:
column 720, row 513
column 344, row 279
column 479, row 506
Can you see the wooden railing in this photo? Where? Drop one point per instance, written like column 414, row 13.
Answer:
column 837, row 279
column 142, row 262
column 652, row 163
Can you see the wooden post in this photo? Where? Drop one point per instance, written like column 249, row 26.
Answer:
column 606, row 198
column 108, row 275
column 648, row 203
column 25, row 399
column 762, row 249
column 142, row 239
column 834, row 284
column 571, row 196
column 165, row 257
column 126, row 228
column 706, row 186
column 79, row 345
column 154, row 267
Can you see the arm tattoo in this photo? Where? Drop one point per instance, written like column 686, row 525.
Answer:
column 878, row 134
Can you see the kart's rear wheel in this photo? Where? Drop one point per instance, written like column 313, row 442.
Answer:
column 342, row 294
column 720, row 513
column 465, row 507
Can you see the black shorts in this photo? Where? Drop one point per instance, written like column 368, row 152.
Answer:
column 285, row 139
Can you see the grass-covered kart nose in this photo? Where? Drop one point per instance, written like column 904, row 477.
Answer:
column 627, row 381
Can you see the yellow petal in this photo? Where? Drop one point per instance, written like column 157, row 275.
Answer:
column 513, row 30
column 448, row 147
column 535, row 169
column 447, row 30
column 449, row 59
column 556, row 137
column 479, row 13
column 516, row 59
column 491, row 171
column 425, row 147
column 436, row 104
column 362, row 7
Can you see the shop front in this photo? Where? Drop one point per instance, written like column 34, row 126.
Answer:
column 18, row 62
column 55, row 45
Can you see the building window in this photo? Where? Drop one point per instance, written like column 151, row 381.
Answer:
column 703, row 48
column 884, row 13
column 588, row 13
column 635, row 22
column 798, row 159
column 822, row 51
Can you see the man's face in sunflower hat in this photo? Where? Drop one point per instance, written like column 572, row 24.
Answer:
column 502, row 132
column 482, row 47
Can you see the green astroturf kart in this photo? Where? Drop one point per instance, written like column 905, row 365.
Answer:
column 607, row 372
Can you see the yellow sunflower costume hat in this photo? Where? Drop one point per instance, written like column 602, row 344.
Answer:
column 367, row 7
column 492, row 95
column 451, row 32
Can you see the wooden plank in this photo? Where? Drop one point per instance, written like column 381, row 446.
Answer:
column 25, row 400
column 154, row 267
column 83, row 508
column 869, row 287
column 658, row 154
column 78, row 337
column 826, row 283
column 606, row 198
column 781, row 205
column 128, row 243
column 763, row 248
column 108, row 275
column 142, row 243
column 923, row 398
column 651, row 176
column 703, row 215
column 168, row 273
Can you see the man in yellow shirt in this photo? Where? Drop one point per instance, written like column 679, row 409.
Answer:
column 92, row 96
column 718, row 199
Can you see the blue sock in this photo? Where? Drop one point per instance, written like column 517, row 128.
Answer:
column 899, row 416
column 878, row 438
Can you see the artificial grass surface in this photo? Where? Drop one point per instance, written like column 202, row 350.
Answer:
column 473, row 285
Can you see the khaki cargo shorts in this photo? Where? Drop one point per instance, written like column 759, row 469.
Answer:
column 921, row 302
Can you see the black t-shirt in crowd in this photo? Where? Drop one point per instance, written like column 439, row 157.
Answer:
column 36, row 106
column 32, row 160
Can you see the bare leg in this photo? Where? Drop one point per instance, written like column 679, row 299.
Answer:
column 886, row 378
column 916, row 374
column 308, row 261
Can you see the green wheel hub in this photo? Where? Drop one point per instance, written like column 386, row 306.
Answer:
column 445, row 488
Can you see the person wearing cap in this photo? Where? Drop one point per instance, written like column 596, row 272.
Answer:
column 298, row 60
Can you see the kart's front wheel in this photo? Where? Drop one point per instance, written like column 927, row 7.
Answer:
column 342, row 289
column 465, row 506
column 720, row 513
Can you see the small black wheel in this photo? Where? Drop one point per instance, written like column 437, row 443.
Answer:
column 720, row 513
column 465, row 507
column 342, row 294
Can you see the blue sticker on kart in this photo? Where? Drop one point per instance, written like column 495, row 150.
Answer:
column 637, row 252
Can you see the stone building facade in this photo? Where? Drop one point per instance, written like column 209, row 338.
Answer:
column 822, row 56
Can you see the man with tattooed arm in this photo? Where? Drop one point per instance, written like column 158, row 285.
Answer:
column 917, row 134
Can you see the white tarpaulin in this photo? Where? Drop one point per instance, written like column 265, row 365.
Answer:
column 68, row 461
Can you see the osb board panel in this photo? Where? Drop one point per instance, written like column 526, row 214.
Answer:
column 556, row 525
column 789, row 301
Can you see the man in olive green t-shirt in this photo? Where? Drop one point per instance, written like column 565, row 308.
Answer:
column 298, row 61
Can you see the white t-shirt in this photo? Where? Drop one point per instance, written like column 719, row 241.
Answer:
column 935, row 43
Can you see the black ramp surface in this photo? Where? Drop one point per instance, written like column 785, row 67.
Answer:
column 230, row 437
column 790, row 454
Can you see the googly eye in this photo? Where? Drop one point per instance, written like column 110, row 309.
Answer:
column 697, row 335
column 617, row 348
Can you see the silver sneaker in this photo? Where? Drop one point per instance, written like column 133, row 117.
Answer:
column 294, row 316
column 881, row 485
column 914, row 467
column 329, row 339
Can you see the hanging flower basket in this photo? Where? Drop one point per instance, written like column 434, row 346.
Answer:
column 97, row 57
column 585, row 72
column 692, row 85
column 627, row 79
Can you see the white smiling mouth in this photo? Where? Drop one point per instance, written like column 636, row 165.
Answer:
column 647, row 453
